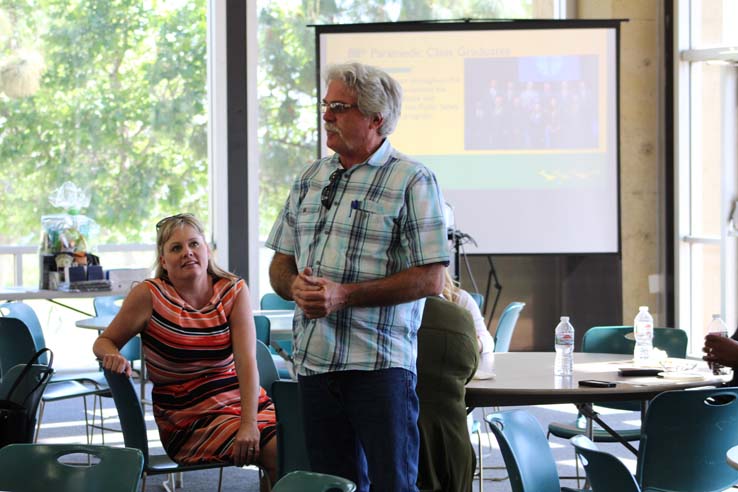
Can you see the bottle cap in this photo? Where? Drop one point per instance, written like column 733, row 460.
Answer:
column 715, row 316
column 564, row 318
column 643, row 308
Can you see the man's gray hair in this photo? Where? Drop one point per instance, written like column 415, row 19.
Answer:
column 375, row 90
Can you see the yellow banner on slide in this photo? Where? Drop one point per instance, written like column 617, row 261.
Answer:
column 431, row 68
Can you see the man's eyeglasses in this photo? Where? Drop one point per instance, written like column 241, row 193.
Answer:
column 163, row 221
column 329, row 192
column 336, row 107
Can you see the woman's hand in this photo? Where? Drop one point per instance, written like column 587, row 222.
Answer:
column 246, row 444
column 722, row 350
column 117, row 363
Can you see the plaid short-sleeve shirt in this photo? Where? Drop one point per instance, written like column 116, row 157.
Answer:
column 386, row 217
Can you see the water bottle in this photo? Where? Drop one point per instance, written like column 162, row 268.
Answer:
column 717, row 327
column 643, row 331
column 564, row 345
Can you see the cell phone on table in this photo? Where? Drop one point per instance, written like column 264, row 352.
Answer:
column 596, row 383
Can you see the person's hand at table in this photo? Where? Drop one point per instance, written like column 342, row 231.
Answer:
column 117, row 363
column 246, row 444
column 720, row 349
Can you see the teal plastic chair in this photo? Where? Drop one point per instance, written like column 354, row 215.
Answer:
column 267, row 370
column 263, row 329
column 618, row 340
column 272, row 300
column 133, row 425
column 686, row 435
column 27, row 392
column 18, row 344
column 302, row 481
column 69, row 468
column 685, row 438
column 291, row 446
column 109, row 306
column 605, row 472
column 479, row 299
column 528, row 458
column 506, row 326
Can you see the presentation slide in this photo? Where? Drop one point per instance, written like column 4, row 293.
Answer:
column 519, row 125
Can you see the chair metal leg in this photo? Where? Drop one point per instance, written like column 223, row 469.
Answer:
column 220, row 478
column 38, row 422
column 480, row 463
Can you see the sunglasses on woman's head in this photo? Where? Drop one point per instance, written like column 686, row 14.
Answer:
column 163, row 221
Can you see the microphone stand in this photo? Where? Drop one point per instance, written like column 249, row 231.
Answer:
column 492, row 274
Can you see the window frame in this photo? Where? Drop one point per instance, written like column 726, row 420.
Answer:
column 687, row 132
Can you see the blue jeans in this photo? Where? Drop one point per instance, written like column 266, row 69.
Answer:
column 363, row 426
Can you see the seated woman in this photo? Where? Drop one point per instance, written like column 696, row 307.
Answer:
column 452, row 292
column 198, row 339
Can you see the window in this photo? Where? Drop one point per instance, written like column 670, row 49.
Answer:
column 706, row 165
column 111, row 96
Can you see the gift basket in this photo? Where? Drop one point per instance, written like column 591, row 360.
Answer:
column 66, row 260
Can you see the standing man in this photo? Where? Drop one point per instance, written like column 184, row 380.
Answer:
column 359, row 245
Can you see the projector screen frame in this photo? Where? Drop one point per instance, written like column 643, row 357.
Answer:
column 500, row 24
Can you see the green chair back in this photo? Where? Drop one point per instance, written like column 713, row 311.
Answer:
column 479, row 299
column 25, row 313
column 133, row 425
column 263, row 329
column 291, row 446
column 302, row 481
column 506, row 326
column 272, row 300
column 686, row 436
column 619, row 340
column 605, row 472
column 45, row 467
column 16, row 344
column 528, row 458
column 268, row 373
column 109, row 306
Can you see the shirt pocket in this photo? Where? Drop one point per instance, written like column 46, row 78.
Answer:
column 307, row 221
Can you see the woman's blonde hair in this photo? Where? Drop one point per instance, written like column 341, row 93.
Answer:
column 450, row 288
column 165, row 229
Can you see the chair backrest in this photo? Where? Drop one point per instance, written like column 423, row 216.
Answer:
column 479, row 299
column 291, row 446
column 302, row 481
column 268, row 373
column 605, row 472
column 528, row 458
column 263, row 329
column 613, row 340
column 65, row 468
column 506, row 326
column 685, row 437
column 28, row 392
column 130, row 413
column 109, row 306
column 25, row 313
column 619, row 340
column 16, row 344
column 272, row 300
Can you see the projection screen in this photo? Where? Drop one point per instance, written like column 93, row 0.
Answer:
column 518, row 119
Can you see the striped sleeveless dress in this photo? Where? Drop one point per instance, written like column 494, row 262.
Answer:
column 189, row 359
